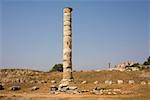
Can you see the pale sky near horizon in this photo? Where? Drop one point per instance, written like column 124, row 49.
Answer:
column 103, row 31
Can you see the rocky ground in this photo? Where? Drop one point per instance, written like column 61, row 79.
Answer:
column 30, row 84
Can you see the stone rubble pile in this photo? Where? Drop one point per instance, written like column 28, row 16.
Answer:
column 125, row 66
column 64, row 87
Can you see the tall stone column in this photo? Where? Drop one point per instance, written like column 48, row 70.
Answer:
column 67, row 45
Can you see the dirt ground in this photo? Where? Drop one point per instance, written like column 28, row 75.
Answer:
column 46, row 96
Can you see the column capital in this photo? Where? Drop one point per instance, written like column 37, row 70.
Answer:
column 67, row 9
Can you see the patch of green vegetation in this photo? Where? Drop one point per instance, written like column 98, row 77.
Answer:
column 57, row 68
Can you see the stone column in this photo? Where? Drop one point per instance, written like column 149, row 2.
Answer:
column 67, row 45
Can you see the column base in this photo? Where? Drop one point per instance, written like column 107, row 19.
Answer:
column 66, row 80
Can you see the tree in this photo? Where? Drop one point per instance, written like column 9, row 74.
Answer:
column 57, row 68
column 147, row 62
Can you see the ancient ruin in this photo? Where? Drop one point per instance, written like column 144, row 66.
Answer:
column 67, row 45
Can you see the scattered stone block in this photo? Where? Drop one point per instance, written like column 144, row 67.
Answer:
column 117, row 90
column 99, row 88
column 17, row 80
column 72, row 92
column 14, row 88
column 109, row 93
column 131, row 82
column 83, row 91
column 97, row 92
column 33, row 81
column 43, row 81
column 63, row 87
column 53, row 88
column 108, row 82
column 143, row 83
column 96, row 82
column 34, row 88
column 53, row 81
column 120, row 81
column 72, row 87
column 84, row 82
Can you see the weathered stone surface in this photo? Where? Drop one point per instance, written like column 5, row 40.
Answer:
column 15, row 88
column 67, row 52
column 34, row 88
column 67, row 23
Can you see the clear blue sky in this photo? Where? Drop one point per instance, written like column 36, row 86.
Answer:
column 103, row 31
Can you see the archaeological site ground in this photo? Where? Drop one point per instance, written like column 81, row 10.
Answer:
column 87, row 85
